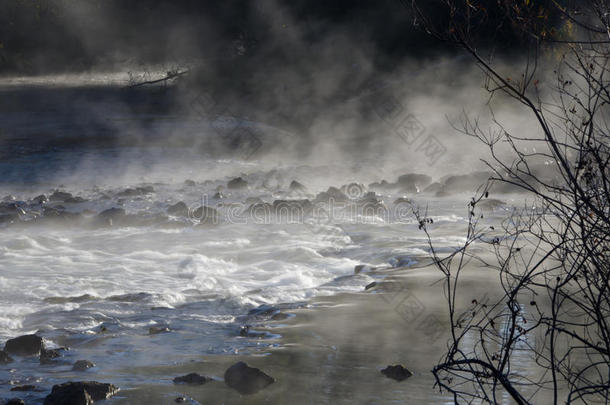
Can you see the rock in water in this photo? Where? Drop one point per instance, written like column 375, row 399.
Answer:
column 15, row 401
column 296, row 186
column 178, row 209
column 397, row 372
column 82, row 365
column 192, row 378
column 27, row 345
column 246, row 380
column 48, row 356
column 79, row 393
column 5, row 358
column 237, row 183
column 24, row 388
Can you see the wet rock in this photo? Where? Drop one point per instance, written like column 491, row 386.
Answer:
column 155, row 330
column 465, row 183
column 397, row 372
column 401, row 261
column 253, row 200
column 247, row 331
column 75, row 200
column 413, row 183
column 27, row 345
column 296, row 186
column 180, row 400
column 219, row 196
column 80, row 393
column 370, row 285
column 15, row 401
column 59, row 196
column 9, row 198
column 5, row 358
column 246, row 380
column 280, row 316
column 190, row 183
column 237, row 183
column 24, row 388
column 82, row 365
column 135, row 192
column 64, row 300
column 192, row 378
column 41, row 199
column 179, row 209
column 48, row 356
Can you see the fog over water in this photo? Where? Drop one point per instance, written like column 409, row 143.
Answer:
column 290, row 125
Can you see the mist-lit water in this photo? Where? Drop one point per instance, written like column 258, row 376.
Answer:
column 98, row 286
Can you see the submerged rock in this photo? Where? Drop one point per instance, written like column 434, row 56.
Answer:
column 237, row 183
column 82, row 365
column 27, row 345
column 15, row 401
column 397, row 372
column 80, row 393
column 26, row 387
column 155, row 330
column 179, row 209
column 5, row 358
column 192, row 378
column 189, row 182
column 134, row 192
column 246, row 380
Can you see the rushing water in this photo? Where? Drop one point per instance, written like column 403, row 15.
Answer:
column 97, row 281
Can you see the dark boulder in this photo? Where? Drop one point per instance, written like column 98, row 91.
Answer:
column 246, row 380
column 413, row 183
column 15, row 401
column 189, row 182
column 237, row 183
column 397, row 372
column 79, row 393
column 27, row 345
column 41, row 199
column 192, row 378
column 155, row 330
column 82, row 365
column 296, row 186
column 22, row 388
column 179, row 209
column 370, row 285
column 58, row 196
column 5, row 358
column 49, row 356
